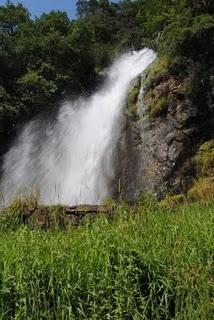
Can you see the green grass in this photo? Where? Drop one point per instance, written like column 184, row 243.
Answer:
column 147, row 263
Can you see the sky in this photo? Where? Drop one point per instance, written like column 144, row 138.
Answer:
column 37, row 7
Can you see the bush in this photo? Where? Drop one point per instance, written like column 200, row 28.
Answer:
column 189, row 40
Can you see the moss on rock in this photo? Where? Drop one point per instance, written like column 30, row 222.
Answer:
column 160, row 68
column 133, row 98
column 172, row 201
column 158, row 107
column 204, row 159
column 203, row 189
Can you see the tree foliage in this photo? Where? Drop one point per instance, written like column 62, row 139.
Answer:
column 46, row 58
column 168, row 25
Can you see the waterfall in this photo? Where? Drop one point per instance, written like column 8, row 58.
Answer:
column 71, row 160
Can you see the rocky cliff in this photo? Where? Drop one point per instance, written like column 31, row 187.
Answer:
column 167, row 145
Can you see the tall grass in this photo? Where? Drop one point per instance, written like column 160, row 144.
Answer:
column 145, row 264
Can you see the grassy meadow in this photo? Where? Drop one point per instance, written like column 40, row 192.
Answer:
column 145, row 263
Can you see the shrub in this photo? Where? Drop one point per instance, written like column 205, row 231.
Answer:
column 190, row 40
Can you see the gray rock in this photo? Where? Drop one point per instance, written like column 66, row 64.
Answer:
column 154, row 153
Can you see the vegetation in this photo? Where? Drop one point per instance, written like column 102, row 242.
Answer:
column 174, row 27
column 133, row 97
column 152, row 261
column 146, row 263
column 160, row 68
column 159, row 107
column 172, row 201
column 204, row 159
column 202, row 189
column 181, row 33
column 45, row 59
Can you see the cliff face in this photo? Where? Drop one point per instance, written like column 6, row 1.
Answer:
column 168, row 119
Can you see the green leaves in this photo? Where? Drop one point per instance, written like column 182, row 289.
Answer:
column 167, row 24
column 12, row 17
column 40, row 60
column 54, row 21
column 35, row 90
column 43, row 59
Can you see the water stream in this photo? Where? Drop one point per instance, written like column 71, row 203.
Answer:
column 71, row 160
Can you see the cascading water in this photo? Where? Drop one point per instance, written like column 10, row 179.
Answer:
column 70, row 161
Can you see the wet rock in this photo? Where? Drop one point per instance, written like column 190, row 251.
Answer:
column 154, row 153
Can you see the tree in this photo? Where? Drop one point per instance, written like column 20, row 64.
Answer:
column 201, row 6
column 55, row 21
column 12, row 17
column 82, row 8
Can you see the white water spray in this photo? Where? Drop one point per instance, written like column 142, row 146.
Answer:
column 71, row 160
